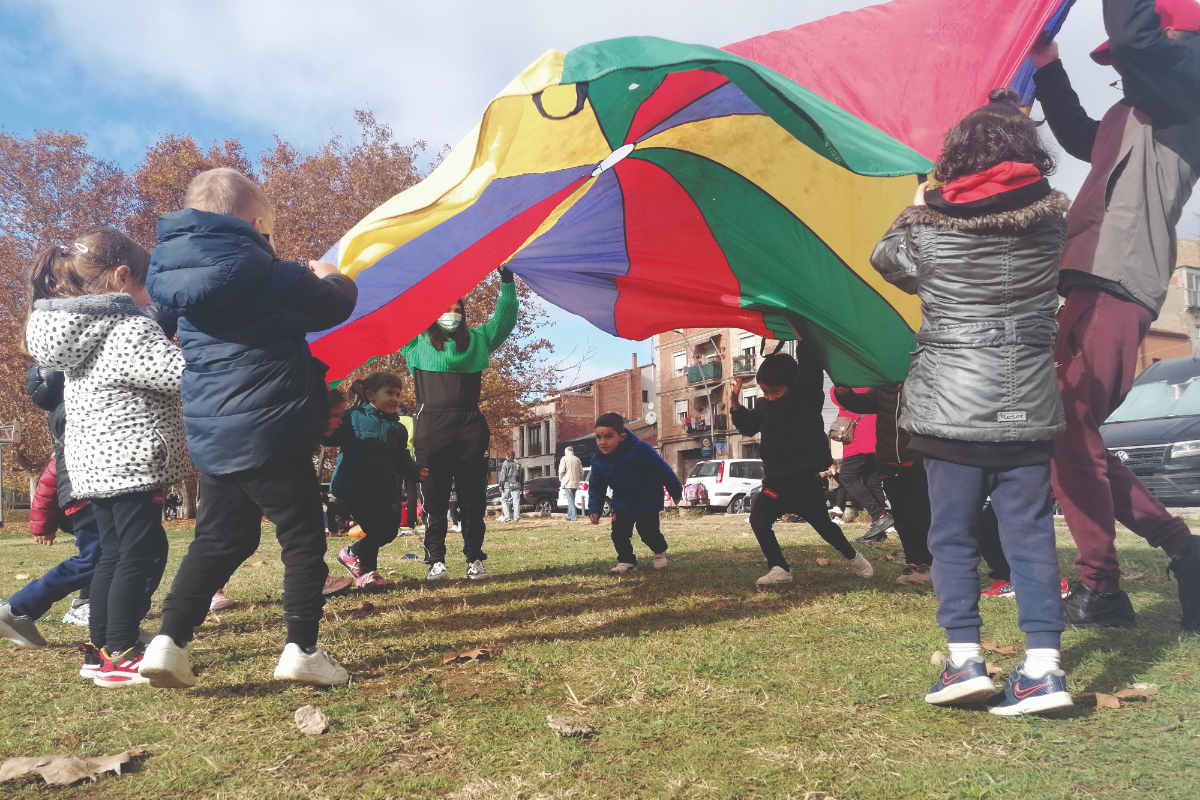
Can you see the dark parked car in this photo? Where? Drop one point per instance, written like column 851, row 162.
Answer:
column 541, row 493
column 1156, row 431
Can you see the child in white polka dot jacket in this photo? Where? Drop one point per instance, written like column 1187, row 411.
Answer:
column 124, row 437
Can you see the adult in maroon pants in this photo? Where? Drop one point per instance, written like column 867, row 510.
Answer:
column 1117, row 260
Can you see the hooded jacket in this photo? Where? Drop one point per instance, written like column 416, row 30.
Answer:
column 794, row 440
column 1145, row 157
column 374, row 449
column 124, row 430
column 252, row 389
column 983, row 367
column 509, row 475
column 637, row 476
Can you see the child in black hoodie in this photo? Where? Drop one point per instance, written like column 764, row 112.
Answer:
column 794, row 449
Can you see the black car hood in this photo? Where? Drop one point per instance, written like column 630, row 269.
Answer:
column 1150, row 431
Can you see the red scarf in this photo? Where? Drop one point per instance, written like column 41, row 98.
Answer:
column 1001, row 178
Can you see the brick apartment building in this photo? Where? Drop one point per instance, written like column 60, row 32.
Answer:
column 568, row 417
column 696, row 366
column 1176, row 332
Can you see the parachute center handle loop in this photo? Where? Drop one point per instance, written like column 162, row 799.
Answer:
column 581, row 95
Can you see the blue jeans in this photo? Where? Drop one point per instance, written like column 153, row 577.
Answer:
column 572, row 514
column 510, row 497
column 70, row 576
column 1021, row 498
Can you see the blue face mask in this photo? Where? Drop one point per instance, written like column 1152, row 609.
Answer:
column 449, row 321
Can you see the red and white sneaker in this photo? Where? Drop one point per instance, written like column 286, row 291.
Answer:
column 219, row 601
column 1000, row 589
column 334, row 585
column 348, row 560
column 120, row 670
column 1065, row 588
column 373, row 579
column 91, row 661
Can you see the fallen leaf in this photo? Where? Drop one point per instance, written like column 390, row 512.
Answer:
column 1101, row 699
column 21, row 576
column 311, row 720
column 937, row 658
column 992, row 669
column 726, row 549
column 569, row 727
column 1132, row 576
column 1174, row 726
column 366, row 607
column 67, row 769
column 993, row 647
column 466, row 655
column 884, row 697
column 1130, row 694
column 823, row 562
column 1147, row 690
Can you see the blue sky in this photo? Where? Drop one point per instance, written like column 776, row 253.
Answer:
column 124, row 72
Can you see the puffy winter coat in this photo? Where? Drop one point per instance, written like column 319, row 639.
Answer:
column 637, row 476
column 794, row 440
column 374, row 448
column 983, row 367
column 45, row 514
column 252, row 389
column 124, row 429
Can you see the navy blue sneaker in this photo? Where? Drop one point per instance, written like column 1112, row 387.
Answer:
column 968, row 683
column 1025, row 695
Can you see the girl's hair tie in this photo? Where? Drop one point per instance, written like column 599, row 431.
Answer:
column 82, row 248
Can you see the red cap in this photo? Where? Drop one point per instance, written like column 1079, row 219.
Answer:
column 1182, row 15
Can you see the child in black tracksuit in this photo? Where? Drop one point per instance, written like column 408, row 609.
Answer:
column 794, row 449
column 374, row 449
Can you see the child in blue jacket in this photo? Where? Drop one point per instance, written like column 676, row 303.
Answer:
column 637, row 476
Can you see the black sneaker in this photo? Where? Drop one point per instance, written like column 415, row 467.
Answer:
column 1087, row 608
column 1186, row 568
column 878, row 531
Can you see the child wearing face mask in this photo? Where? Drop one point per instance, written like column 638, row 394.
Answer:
column 374, row 449
column 124, row 429
column 452, row 436
column 795, row 449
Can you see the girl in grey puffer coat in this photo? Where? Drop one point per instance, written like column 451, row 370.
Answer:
column 124, row 425
column 981, row 400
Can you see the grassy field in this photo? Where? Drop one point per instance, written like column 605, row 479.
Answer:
column 699, row 685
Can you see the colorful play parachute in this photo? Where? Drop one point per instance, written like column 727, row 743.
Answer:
column 647, row 185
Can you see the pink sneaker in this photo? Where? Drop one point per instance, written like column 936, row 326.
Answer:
column 219, row 601
column 334, row 585
column 348, row 560
column 373, row 579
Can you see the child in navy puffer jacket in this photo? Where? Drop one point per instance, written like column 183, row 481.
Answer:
column 637, row 476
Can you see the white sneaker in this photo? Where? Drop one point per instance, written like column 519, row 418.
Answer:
column 837, row 520
column 219, row 601
column 775, row 575
column 317, row 669
column 79, row 613
column 623, row 567
column 167, row 665
column 862, row 568
column 456, row 528
column 476, row 570
column 836, row 511
column 437, row 572
column 660, row 561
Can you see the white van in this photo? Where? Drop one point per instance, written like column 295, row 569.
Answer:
column 581, row 496
column 725, row 484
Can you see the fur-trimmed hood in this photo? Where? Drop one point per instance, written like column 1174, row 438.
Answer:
column 1013, row 222
column 63, row 332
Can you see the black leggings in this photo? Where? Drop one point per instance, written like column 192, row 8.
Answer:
column 133, row 555
column 908, row 489
column 802, row 495
column 453, row 445
column 378, row 522
column 860, row 475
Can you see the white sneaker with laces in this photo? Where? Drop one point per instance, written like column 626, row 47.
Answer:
column 623, row 567
column 437, row 572
column 167, row 665
column 836, row 511
column 837, row 520
column 775, row 575
column 315, row 669
column 476, row 570
column 79, row 613
column 660, row 561
column 862, row 568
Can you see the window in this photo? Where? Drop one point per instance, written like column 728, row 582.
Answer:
column 705, row 469
column 681, row 411
column 750, row 450
column 1191, row 278
column 753, row 469
column 737, row 469
column 645, row 396
column 679, row 363
column 747, row 345
column 533, row 441
column 749, row 396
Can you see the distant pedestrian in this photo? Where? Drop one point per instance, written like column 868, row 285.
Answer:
column 570, row 474
column 859, row 470
column 637, row 476
column 510, row 489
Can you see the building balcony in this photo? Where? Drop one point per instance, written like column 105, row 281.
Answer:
column 719, row 424
column 704, row 373
column 745, row 365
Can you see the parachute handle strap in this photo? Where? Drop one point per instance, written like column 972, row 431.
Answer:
column 581, row 96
